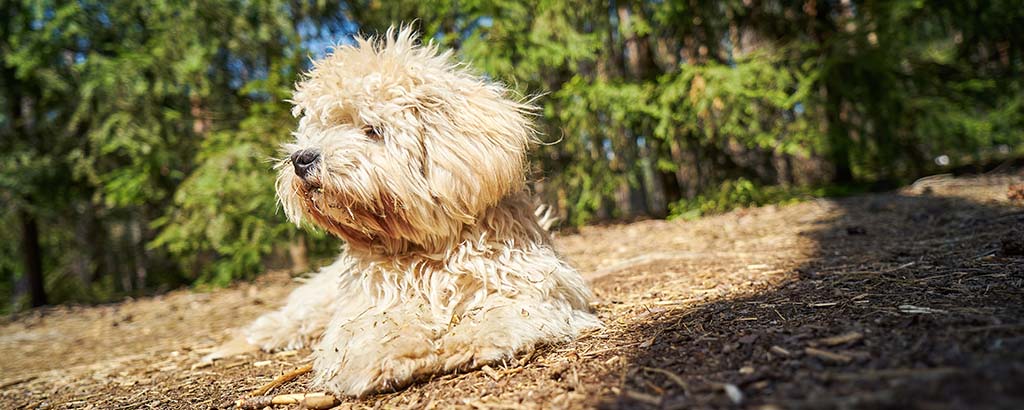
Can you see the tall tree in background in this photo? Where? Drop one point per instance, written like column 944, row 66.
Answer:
column 35, row 90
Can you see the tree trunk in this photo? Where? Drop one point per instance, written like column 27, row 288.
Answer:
column 635, row 184
column 298, row 253
column 137, row 239
column 657, row 205
column 33, row 258
column 838, row 138
column 670, row 183
column 699, row 177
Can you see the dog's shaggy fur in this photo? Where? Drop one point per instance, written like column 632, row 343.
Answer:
column 421, row 170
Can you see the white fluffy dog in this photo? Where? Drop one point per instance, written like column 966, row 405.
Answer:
column 419, row 166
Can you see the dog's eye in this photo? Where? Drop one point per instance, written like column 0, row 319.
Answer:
column 372, row 133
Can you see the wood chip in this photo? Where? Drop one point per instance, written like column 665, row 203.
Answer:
column 490, row 372
column 828, row 356
column 780, row 351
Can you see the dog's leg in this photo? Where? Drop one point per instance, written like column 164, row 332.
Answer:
column 549, row 305
column 377, row 349
column 303, row 317
column 387, row 349
column 511, row 325
column 295, row 325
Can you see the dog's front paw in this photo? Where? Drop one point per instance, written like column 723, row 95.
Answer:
column 464, row 351
column 355, row 361
column 358, row 371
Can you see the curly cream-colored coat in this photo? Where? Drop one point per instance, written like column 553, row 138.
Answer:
column 419, row 166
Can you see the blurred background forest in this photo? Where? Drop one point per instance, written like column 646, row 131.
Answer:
column 136, row 137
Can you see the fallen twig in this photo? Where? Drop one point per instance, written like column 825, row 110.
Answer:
column 840, row 339
column 780, row 351
column 1007, row 326
column 643, row 397
column 920, row 310
column 17, row 381
column 903, row 266
column 896, row 373
column 306, row 400
column 828, row 356
column 282, row 379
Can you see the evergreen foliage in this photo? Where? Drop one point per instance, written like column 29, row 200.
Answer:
column 137, row 138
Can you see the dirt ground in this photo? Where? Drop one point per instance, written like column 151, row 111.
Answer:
column 910, row 299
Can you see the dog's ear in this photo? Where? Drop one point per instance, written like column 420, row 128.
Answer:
column 476, row 149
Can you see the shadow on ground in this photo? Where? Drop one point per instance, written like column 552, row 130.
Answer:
column 910, row 300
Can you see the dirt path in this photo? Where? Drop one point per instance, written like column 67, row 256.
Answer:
column 913, row 299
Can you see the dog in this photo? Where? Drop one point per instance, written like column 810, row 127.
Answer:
column 420, row 166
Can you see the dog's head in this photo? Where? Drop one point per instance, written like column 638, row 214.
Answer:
column 398, row 145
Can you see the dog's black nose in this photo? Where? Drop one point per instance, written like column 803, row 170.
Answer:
column 303, row 160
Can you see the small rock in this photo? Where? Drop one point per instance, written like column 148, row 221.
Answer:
column 733, row 392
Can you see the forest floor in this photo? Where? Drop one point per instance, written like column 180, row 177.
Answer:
column 907, row 299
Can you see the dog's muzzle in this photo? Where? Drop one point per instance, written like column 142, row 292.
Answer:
column 304, row 160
